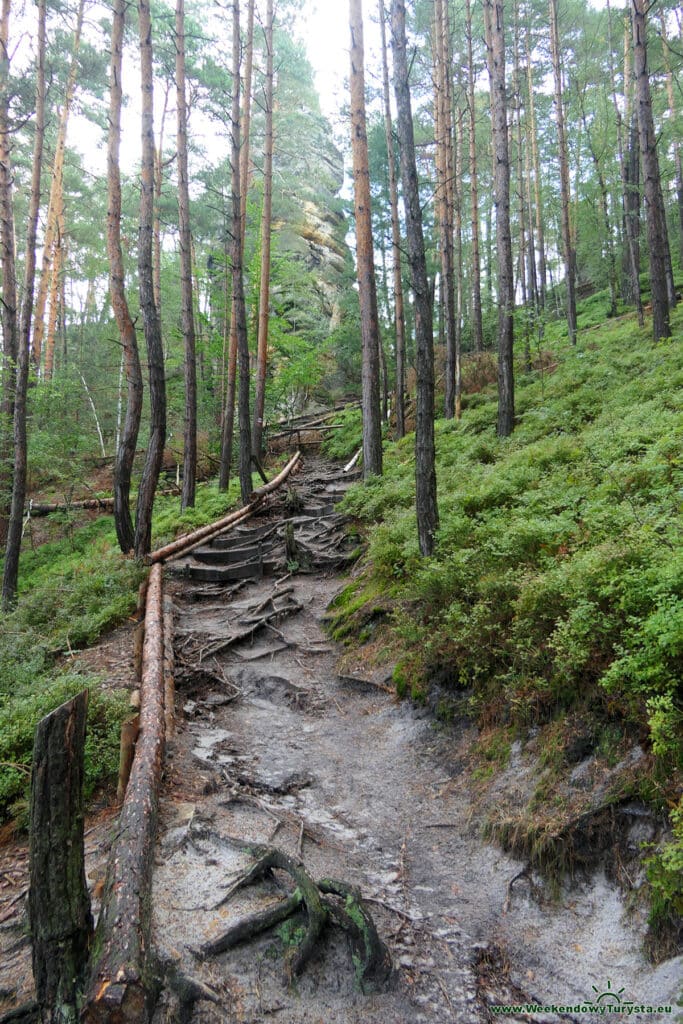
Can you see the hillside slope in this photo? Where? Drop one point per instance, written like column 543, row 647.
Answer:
column 552, row 610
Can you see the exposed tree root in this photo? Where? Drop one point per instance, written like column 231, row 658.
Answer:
column 326, row 901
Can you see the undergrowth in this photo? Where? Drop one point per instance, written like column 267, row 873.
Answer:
column 71, row 591
column 557, row 578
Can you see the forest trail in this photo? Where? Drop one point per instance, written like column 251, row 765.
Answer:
column 274, row 746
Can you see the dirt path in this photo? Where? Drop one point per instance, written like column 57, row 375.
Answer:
column 365, row 789
column 273, row 746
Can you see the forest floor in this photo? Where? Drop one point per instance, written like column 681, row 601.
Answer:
column 276, row 743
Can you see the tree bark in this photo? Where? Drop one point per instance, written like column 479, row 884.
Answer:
column 125, row 454
column 495, row 39
column 399, row 316
column 661, row 277
column 186, row 299
column 677, row 147
column 121, row 987
column 148, row 308
column 477, row 324
column 244, row 419
column 567, row 243
column 372, row 427
column 51, row 227
column 228, row 424
column 425, row 456
column 13, row 548
column 59, row 904
column 266, row 222
column 542, row 274
column 444, row 193
column 8, row 313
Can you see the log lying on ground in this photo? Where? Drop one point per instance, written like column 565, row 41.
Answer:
column 47, row 508
column 277, row 480
column 169, row 669
column 121, row 988
column 59, row 904
column 183, row 545
column 320, row 900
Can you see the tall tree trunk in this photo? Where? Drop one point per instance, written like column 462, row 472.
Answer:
column 16, row 512
column 186, row 299
column 477, row 324
column 150, row 313
column 661, row 277
column 532, row 139
column 459, row 144
column 159, row 164
column 630, row 280
column 57, row 270
column 266, row 223
column 495, row 40
column 604, row 208
column 240, row 312
column 563, row 156
column 445, row 172
column 372, row 426
column 399, row 315
column 8, row 313
column 425, row 455
column 126, row 447
column 56, row 191
column 228, row 424
column 677, row 147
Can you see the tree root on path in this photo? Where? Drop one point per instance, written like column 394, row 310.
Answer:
column 326, row 901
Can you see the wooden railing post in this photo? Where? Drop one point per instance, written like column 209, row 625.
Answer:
column 58, row 902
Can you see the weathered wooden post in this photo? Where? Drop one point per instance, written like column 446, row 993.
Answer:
column 58, row 901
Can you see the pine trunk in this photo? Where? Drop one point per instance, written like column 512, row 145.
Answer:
column 125, row 454
column 399, row 315
column 477, row 324
column 240, row 313
column 495, row 38
column 266, row 222
column 425, row 456
column 56, row 190
column 186, row 298
column 150, row 313
column 8, row 313
column 372, row 428
column 677, row 147
column 444, row 168
column 567, row 242
column 13, row 547
column 661, row 278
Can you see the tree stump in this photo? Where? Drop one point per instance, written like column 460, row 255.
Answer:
column 58, row 902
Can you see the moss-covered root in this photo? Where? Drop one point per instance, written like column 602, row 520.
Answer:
column 370, row 956
column 306, row 893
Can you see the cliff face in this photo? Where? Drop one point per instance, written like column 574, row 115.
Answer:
column 315, row 230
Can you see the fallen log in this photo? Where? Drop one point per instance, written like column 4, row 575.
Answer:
column 58, row 901
column 169, row 670
column 122, row 986
column 182, row 545
column 277, row 480
column 352, row 462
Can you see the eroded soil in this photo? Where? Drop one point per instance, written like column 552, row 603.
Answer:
column 274, row 746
